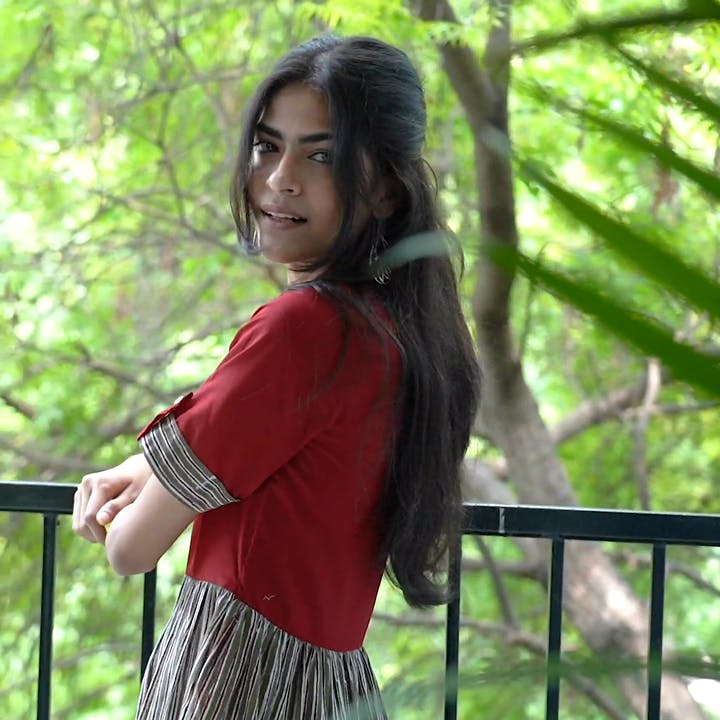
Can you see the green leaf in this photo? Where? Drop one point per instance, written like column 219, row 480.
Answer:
column 663, row 153
column 685, row 362
column 678, row 88
column 649, row 257
column 693, row 12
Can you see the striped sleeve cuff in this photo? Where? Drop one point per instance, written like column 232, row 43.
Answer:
column 179, row 470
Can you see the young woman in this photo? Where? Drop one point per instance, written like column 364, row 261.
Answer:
column 326, row 446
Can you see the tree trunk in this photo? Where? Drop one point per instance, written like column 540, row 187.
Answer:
column 603, row 608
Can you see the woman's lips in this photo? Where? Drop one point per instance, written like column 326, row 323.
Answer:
column 278, row 217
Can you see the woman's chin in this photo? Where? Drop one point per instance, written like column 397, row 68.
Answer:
column 283, row 257
column 276, row 255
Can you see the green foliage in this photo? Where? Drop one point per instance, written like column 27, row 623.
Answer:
column 647, row 336
column 121, row 286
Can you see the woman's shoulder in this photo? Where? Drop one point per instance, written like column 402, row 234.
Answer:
column 322, row 315
column 305, row 306
column 297, row 314
column 297, row 304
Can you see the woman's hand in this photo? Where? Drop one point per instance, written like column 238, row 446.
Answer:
column 101, row 495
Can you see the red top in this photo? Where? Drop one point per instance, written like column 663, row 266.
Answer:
column 284, row 450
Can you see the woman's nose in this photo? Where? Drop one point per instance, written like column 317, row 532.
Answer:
column 285, row 177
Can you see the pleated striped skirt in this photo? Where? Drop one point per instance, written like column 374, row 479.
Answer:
column 219, row 659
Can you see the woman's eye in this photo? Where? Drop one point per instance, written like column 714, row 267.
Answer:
column 323, row 156
column 263, row 146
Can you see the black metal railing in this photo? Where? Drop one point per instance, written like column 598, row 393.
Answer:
column 52, row 500
column 554, row 524
column 558, row 525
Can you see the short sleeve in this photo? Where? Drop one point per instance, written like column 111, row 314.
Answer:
column 253, row 414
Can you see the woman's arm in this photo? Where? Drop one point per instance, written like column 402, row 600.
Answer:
column 101, row 495
column 144, row 530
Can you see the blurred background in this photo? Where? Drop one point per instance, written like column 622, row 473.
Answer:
column 577, row 152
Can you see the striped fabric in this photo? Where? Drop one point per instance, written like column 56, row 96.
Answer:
column 179, row 470
column 219, row 659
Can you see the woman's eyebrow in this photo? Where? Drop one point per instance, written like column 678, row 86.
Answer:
column 312, row 138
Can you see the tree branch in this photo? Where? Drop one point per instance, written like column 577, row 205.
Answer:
column 524, row 569
column 668, row 409
column 43, row 459
column 652, row 389
column 617, row 404
column 637, row 560
column 595, row 411
column 506, row 609
column 175, row 40
column 45, row 43
column 607, row 27
column 23, row 408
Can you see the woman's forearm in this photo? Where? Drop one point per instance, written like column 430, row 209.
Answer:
column 143, row 531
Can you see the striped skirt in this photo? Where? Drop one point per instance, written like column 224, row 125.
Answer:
column 219, row 659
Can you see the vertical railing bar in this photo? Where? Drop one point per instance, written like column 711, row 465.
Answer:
column 47, row 595
column 657, row 606
column 452, row 632
column 555, row 594
column 148, row 619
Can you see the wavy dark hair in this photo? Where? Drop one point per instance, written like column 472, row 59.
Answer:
column 377, row 113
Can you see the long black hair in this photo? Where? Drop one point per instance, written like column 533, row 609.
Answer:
column 377, row 113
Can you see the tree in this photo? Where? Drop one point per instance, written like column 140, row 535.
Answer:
column 510, row 418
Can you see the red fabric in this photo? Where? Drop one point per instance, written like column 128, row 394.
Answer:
column 296, row 424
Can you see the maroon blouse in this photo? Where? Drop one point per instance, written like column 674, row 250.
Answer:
column 283, row 451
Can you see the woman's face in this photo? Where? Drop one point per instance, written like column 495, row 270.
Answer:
column 292, row 188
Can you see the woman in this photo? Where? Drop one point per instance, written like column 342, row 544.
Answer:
column 326, row 446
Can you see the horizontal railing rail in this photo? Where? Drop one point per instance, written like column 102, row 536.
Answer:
column 592, row 524
column 556, row 524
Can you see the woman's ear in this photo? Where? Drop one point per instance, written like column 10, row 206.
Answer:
column 383, row 201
